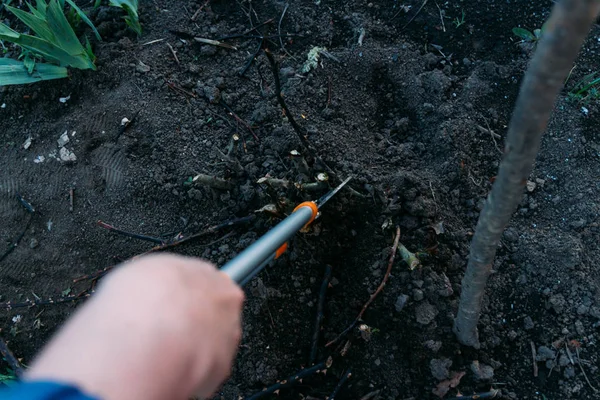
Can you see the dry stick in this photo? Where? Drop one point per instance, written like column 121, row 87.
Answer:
column 176, row 242
column 279, row 30
column 300, row 132
column 582, row 370
column 34, row 303
column 565, row 32
column 10, row 358
column 534, row 359
column 374, row 295
column 238, row 119
column 486, row 395
column 323, row 365
column 195, row 16
column 213, row 182
column 297, row 128
column 347, row 374
column 173, row 52
column 111, row 228
column 319, row 318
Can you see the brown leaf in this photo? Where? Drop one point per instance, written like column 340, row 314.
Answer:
column 444, row 386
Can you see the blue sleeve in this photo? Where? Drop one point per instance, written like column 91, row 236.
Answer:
column 43, row 391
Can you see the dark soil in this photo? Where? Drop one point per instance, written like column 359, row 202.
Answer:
column 398, row 114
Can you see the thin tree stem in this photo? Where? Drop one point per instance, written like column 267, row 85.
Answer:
column 565, row 31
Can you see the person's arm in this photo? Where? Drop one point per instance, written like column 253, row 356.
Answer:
column 161, row 327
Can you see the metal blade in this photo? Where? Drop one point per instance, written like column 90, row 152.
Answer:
column 332, row 193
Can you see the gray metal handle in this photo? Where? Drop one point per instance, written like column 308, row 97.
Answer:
column 250, row 261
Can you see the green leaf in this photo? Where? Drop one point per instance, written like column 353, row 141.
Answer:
column 35, row 23
column 29, row 63
column 67, row 291
column 524, row 34
column 85, row 19
column 63, row 32
column 537, row 33
column 14, row 72
column 97, row 3
column 132, row 19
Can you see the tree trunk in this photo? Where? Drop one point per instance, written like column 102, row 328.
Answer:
column 561, row 40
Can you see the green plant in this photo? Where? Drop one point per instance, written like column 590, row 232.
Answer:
column 528, row 36
column 132, row 19
column 458, row 22
column 586, row 89
column 56, row 43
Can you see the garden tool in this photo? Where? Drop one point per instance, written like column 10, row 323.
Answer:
column 274, row 243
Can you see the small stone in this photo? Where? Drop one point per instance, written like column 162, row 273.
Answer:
column 563, row 360
column 418, row 294
column 33, row 243
column 142, row 68
column 378, row 362
column 425, row 313
column 531, row 186
column 540, row 182
column 579, row 328
column 545, row 353
column 63, row 139
column 440, row 368
column 557, row 302
column 569, row 372
column 224, row 249
column 67, row 155
column 482, row 372
column 433, row 345
column 512, row 335
column 582, row 309
column 528, row 323
column 401, row 302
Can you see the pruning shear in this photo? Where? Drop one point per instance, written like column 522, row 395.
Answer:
column 274, row 243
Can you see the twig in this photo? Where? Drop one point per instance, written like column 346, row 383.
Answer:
column 111, row 228
column 153, row 41
column 195, row 16
column 213, row 181
column 324, row 365
column 10, row 358
column 534, row 359
column 486, row 395
column 297, row 128
column 441, row 17
column 173, row 52
column 347, row 374
column 319, row 318
column 409, row 258
column 374, row 295
column 279, row 30
column 567, row 28
column 215, row 43
column 583, row 370
column 251, row 60
column 238, row 119
column 44, row 302
column 180, row 90
column 414, row 16
column 173, row 243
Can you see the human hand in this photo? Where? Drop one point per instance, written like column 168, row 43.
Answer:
column 160, row 327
